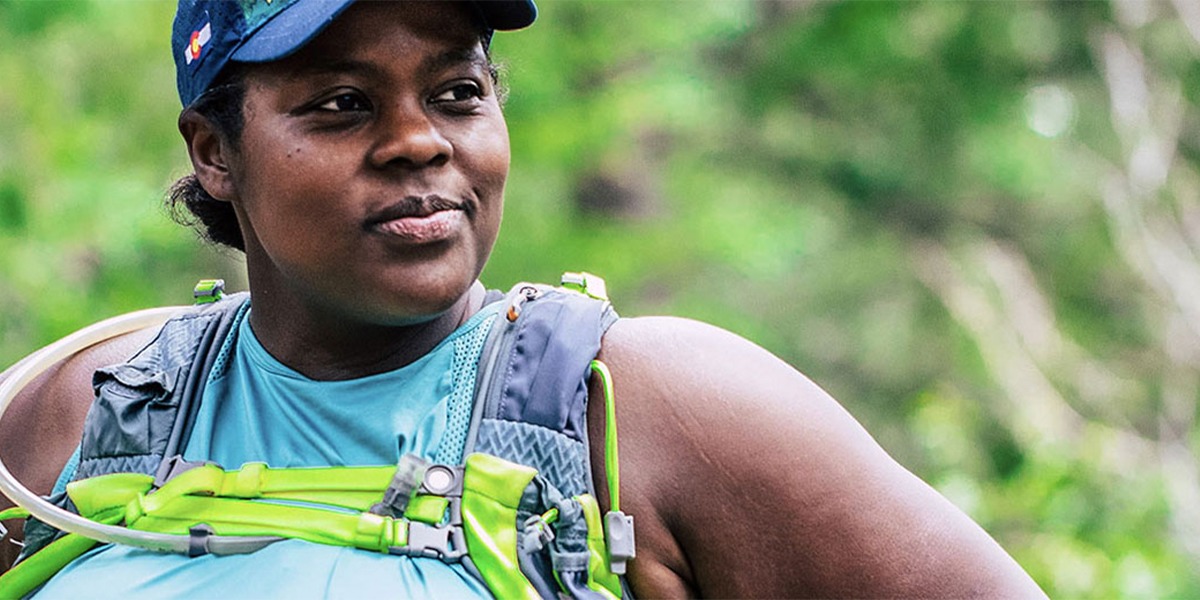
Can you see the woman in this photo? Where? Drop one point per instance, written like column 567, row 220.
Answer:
column 357, row 154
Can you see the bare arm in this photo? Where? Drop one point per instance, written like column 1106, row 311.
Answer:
column 42, row 426
column 746, row 479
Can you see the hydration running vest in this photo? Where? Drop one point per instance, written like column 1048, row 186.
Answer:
column 519, row 513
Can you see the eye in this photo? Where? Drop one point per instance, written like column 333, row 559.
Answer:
column 460, row 92
column 345, row 102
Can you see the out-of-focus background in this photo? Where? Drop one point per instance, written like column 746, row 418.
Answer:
column 976, row 224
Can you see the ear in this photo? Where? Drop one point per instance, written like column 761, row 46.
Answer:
column 210, row 154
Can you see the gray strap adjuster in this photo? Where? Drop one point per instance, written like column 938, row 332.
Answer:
column 535, row 534
column 410, row 471
column 198, row 539
column 618, row 536
column 170, row 467
column 202, row 539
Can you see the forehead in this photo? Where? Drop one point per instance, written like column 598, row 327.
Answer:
column 426, row 34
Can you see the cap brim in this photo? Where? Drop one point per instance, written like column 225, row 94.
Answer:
column 289, row 30
column 507, row 15
column 297, row 25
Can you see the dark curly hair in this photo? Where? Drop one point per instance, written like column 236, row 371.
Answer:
column 191, row 205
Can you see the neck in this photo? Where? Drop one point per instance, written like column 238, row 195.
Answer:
column 324, row 346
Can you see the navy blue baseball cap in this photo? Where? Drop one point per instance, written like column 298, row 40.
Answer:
column 210, row 34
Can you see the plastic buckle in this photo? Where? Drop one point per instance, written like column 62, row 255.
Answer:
column 445, row 542
column 208, row 291
column 410, row 472
column 618, row 536
column 586, row 283
column 171, row 467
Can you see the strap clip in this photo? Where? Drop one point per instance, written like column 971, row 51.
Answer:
column 586, row 283
column 618, row 536
column 410, row 471
column 171, row 467
column 447, row 543
column 198, row 539
column 536, row 534
column 208, row 291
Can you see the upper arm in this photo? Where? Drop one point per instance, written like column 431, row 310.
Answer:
column 42, row 425
column 752, row 481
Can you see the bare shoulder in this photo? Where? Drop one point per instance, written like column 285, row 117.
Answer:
column 51, row 408
column 748, row 479
column 42, row 425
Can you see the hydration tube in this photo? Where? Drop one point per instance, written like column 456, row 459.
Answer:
column 25, row 372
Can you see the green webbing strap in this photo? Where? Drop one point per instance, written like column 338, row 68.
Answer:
column 252, row 501
column 35, row 570
column 237, row 517
column 348, row 487
column 13, row 512
column 600, row 577
column 223, row 500
column 618, row 526
column 492, row 490
column 345, row 487
column 612, row 465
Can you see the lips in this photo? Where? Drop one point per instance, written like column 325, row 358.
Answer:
column 419, row 219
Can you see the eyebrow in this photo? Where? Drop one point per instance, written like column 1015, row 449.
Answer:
column 438, row 62
column 454, row 57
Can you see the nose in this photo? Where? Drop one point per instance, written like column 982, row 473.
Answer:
column 409, row 138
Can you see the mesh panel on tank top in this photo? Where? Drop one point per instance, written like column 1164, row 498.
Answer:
column 464, row 368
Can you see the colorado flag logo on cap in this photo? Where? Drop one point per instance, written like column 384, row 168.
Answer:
column 196, row 43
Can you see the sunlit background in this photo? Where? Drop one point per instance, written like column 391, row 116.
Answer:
column 976, row 224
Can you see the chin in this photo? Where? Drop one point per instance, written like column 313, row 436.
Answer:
column 411, row 304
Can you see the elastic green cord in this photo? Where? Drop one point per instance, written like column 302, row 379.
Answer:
column 611, row 462
column 15, row 512
column 32, row 572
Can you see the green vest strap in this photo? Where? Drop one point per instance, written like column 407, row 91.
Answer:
column 346, row 487
column 28, row 574
column 14, row 512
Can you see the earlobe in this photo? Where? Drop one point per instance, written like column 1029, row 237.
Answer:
column 210, row 154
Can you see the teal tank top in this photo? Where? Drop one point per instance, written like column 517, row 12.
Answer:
column 255, row 409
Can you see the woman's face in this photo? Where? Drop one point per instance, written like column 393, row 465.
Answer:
column 370, row 175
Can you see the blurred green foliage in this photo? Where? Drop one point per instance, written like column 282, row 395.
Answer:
column 924, row 206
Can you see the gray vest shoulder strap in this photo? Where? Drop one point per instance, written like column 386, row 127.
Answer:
column 532, row 388
column 143, row 407
column 531, row 409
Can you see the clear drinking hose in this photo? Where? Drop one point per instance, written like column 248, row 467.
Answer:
column 25, row 372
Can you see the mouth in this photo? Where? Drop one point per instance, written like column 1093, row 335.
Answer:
column 419, row 219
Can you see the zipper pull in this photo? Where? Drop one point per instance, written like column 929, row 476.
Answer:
column 523, row 295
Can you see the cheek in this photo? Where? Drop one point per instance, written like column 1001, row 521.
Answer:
column 491, row 155
column 288, row 215
column 495, row 175
column 503, row 150
column 288, row 185
column 489, row 166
